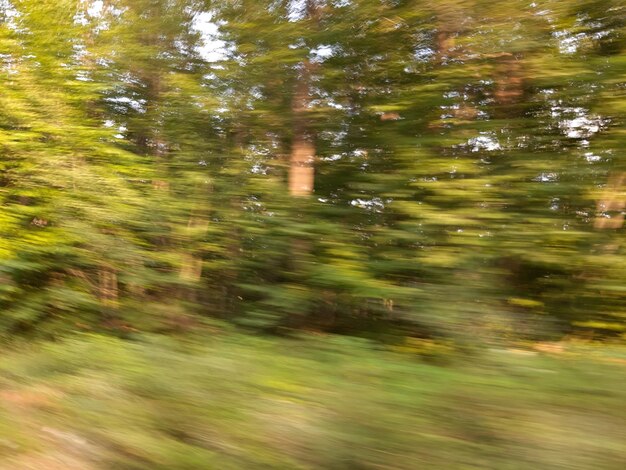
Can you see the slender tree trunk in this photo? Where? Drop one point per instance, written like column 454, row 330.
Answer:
column 614, row 200
column 108, row 287
column 191, row 263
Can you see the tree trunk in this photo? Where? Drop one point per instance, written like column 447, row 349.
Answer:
column 301, row 162
column 108, row 288
column 509, row 80
column 614, row 200
column 301, row 171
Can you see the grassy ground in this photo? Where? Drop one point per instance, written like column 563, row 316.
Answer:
column 237, row 402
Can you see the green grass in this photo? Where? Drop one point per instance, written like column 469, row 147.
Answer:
column 230, row 401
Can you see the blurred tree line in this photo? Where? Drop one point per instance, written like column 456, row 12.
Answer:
column 446, row 169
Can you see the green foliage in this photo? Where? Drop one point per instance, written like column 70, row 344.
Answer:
column 465, row 154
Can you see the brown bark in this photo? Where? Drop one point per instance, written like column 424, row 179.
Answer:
column 614, row 200
column 301, row 172
column 445, row 43
column 509, row 80
column 301, row 162
column 107, row 287
column 449, row 18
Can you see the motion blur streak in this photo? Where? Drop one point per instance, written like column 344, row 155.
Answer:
column 343, row 234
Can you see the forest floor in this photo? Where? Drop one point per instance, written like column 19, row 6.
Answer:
column 229, row 401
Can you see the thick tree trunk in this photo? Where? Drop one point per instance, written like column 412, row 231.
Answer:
column 509, row 80
column 301, row 171
column 301, row 162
